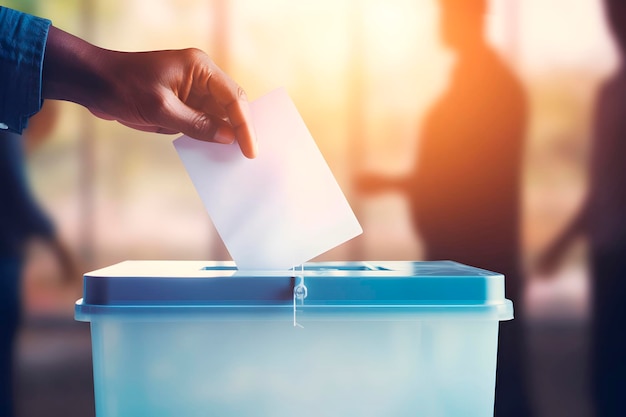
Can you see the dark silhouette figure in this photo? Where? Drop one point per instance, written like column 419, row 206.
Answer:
column 21, row 221
column 464, row 192
column 20, row 218
column 601, row 220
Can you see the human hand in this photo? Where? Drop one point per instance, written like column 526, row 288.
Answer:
column 160, row 91
column 65, row 259
column 547, row 263
column 54, row 257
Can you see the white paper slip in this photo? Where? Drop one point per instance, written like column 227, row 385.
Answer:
column 280, row 209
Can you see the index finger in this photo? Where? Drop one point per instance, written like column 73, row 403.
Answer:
column 234, row 100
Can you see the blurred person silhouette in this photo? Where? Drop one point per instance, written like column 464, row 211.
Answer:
column 465, row 190
column 21, row 221
column 176, row 91
column 601, row 220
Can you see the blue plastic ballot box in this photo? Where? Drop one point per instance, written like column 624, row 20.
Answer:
column 332, row 339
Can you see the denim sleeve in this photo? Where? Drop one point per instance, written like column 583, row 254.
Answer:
column 22, row 43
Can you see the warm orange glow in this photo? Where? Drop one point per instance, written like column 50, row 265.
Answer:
column 363, row 73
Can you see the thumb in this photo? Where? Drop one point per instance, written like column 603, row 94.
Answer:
column 195, row 124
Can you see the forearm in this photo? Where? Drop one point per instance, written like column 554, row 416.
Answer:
column 74, row 70
column 556, row 251
column 576, row 228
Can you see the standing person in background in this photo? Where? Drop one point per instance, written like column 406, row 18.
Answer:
column 601, row 221
column 465, row 190
column 160, row 91
column 21, row 220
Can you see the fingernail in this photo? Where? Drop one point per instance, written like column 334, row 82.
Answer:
column 250, row 127
column 224, row 135
column 255, row 150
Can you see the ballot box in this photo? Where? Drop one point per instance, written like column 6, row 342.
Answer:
column 330, row 339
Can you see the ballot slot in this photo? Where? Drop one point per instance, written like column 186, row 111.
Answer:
column 315, row 268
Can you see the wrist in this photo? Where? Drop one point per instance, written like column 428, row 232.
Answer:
column 73, row 69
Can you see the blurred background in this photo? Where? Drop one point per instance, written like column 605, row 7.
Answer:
column 363, row 74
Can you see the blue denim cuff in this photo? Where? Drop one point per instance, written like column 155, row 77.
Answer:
column 22, row 45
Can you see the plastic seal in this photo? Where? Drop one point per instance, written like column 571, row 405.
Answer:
column 299, row 294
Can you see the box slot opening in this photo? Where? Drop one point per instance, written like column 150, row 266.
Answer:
column 360, row 267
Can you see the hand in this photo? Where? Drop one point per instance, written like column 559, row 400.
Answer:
column 67, row 262
column 160, row 91
column 548, row 262
column 51, row 254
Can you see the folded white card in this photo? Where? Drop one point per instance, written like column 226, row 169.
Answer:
column 280, row 209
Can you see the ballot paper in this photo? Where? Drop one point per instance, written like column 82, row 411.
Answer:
column 280, row 209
